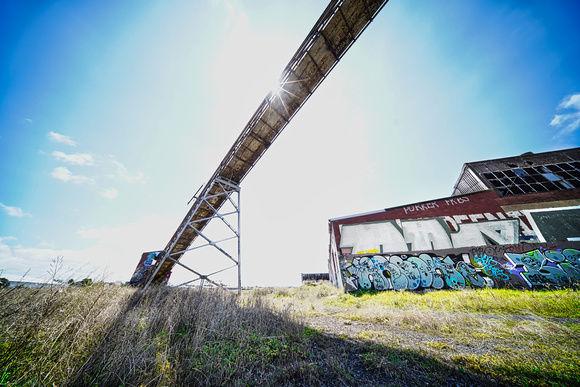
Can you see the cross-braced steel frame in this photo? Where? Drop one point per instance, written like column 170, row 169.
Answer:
column 339, row 26
column 226, row 191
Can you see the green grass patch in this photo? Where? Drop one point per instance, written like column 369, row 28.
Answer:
column 528, row 367
column 510, row 336
column 557, row 303
column 439, row 346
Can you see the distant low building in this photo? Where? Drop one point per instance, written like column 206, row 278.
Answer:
column 309, row 278
column 511, row 222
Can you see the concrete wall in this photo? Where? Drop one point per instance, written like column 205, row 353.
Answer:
column 469, row 240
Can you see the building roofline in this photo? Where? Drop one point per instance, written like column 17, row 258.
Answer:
column 463, row 169
column 406, row 205
column 525, row 154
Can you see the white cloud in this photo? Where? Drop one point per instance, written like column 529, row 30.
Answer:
column 108, row 167
column 74, row 159
column 572, row 101
column 569, row 122
column 63, row 174
column 13, row 211
column 110, row 193
column 48, row 245
column 120, row 247
column 122, row 173
column 18, row 262
column 60, row 138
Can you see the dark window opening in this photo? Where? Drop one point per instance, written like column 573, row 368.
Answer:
column 551, row 186
column 539, row 178
column 517, row 190
column 542, row 169
column 506, row 181
column 503, row 191
column 539, row 187
column 563, row 184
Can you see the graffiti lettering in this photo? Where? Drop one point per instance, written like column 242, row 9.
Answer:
column 408, row 273
column 455, row 201
column 421, row 207
column 573, row 257
column 547, row 268
column 144, row 266
column 483, row 267
column 427, row 206
column 490, row 267
column 470, row 275
column 373, row 251
column 426, row 234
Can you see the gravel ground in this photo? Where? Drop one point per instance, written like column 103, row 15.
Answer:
column 355, row 338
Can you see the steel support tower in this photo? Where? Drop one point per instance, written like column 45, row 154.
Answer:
column 336, row 30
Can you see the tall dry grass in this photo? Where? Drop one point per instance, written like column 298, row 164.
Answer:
column 107, row 335
column 185, row 336
column 102, row 335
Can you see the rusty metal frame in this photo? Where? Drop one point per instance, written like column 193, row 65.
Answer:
column 232, row 193
column 339, row 26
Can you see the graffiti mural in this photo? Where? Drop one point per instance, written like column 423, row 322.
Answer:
column 144, row 266
column 554, row 268
column 430, row 234
column 475, row 240
column 485, row 266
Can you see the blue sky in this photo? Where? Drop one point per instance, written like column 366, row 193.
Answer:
column 112, row 114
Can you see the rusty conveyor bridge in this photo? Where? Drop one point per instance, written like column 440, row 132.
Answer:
column 336, row 30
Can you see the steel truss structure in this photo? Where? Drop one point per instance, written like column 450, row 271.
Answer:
column 223, row 190
column 339, row 26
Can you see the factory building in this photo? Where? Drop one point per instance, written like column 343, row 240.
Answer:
column 510, row 222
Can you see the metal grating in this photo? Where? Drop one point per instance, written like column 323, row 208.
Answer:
column 468, row 183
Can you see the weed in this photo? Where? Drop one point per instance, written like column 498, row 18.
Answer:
column 508, row 336
column 99, row 335
column 438, row 345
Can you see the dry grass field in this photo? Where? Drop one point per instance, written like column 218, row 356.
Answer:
column 503, row 336
column 103, row 335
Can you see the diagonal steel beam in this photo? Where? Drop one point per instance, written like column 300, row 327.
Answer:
column 333, row 34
